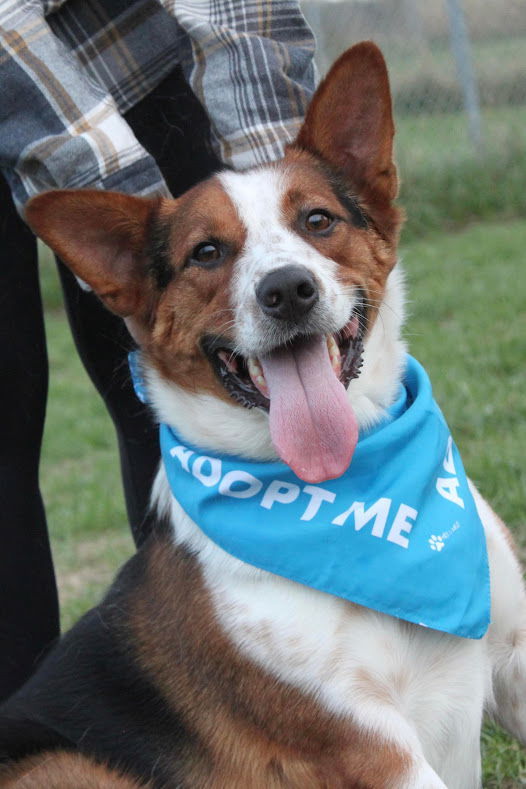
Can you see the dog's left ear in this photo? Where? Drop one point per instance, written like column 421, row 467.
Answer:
column 349, row 123
column 102, row 238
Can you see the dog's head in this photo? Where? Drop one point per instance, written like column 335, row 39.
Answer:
column 254, row 291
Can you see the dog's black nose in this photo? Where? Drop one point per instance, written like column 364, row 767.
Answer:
column 287, row 293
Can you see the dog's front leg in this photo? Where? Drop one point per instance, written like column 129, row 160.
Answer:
column 507, row 632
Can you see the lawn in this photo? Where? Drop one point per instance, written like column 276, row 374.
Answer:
column 446, row 183
column 467, row 323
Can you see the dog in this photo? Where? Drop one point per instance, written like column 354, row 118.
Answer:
column 267, row 306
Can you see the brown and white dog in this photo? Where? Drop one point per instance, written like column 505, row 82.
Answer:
column 197, row 670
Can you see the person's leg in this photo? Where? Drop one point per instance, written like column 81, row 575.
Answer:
column 172, row 126
column 28, row 597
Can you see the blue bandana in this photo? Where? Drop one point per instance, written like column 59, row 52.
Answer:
column 398, row 532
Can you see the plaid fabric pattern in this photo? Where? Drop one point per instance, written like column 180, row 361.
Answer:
column 251, row 65
column 69, row 69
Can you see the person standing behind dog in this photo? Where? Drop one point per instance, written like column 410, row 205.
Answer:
column 143, row 97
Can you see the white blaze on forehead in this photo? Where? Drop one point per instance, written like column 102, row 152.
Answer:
column 258, row 197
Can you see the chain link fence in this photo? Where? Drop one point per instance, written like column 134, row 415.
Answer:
column 458, row 75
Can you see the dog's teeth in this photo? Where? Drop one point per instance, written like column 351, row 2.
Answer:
column 229, row 360
column 334, row 355
column 354, row 327
column 256, row 374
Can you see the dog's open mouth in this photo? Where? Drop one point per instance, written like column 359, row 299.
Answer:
column 244, row 379
column 302, row 385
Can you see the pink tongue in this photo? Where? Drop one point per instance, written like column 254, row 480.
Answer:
column 312, row 424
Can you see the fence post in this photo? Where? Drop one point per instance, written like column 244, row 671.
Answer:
column 461, row 49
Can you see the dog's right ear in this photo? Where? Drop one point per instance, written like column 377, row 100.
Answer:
column 102, row 237
column 349, row 123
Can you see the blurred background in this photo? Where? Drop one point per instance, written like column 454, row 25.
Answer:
column 458, row 74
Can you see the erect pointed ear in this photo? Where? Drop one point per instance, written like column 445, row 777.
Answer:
column 102, row 237
column 349, row 122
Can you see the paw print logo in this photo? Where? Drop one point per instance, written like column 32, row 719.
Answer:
column 436, row 543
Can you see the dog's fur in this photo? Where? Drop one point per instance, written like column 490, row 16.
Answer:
column 197, row 670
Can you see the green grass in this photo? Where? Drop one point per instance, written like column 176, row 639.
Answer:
column 79, row 470
column 428, row 142
column 467, row 325
column 446, row 183
column 427, row 79
column 503, row 760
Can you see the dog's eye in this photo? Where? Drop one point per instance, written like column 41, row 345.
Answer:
column 205, row 253
column 318, row 220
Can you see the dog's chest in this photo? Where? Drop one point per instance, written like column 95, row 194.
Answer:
column 350, row 657
column 383, row 674
column 402, row 681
